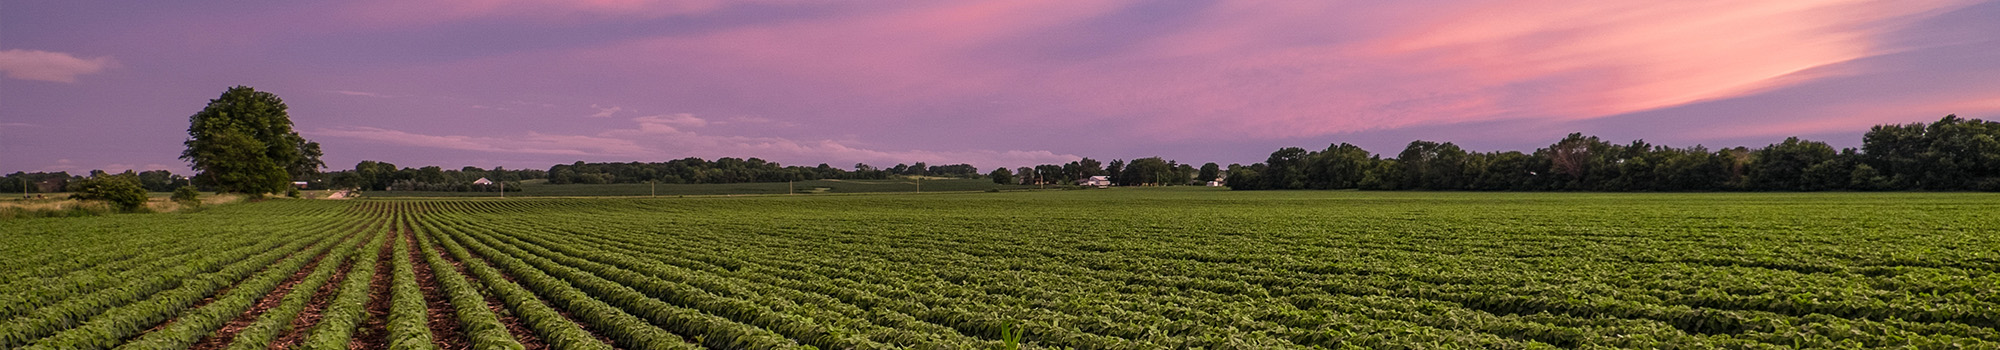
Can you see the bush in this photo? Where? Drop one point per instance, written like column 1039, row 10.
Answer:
column 293, row 192
column 187, row 195
column 122, row 192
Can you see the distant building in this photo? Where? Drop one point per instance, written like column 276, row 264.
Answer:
column 1098, row 181
column 482, row 181
column 1215, row 183
column 299, row 184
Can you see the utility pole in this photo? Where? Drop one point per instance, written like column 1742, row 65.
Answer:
column 920, row 184
column 656, row 187
column 788, row 187
column 503, row 190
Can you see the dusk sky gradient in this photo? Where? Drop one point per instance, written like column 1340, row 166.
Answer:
column 531, row 83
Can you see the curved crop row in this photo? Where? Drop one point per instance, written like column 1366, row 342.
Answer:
column 111, row 327
column 628, row 330
column 482, row 327
column 559, row 332
column 190, row 328
column 408, row 315
column 260, row 333
column 337, row 327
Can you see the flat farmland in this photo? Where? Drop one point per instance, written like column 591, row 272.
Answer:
column 1087, row 269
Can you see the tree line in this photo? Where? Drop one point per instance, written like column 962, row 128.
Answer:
column 61, row 181
column 724, row 170
column 369, row 175
column 1149, row 171
column 1951, row 154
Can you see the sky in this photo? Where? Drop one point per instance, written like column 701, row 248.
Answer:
column 532, row 83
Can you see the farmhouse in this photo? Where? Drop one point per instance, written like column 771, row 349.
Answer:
column 1098, row 181
column 482, row 181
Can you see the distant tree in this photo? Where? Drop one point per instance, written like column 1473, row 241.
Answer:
column 1002, row 176
column 1286, row 169
column 1432, row 166
column 187, row 195
column 1339, row 166
column 120, row 190
column 1950, row 154
column 1183, row 174
column 158, row 180
column 1245, row 177
column 1385, row 175
column 1782, row 166
column 1209, row 172
column 1087, row 167
column 243, row 142
column 1116, row 171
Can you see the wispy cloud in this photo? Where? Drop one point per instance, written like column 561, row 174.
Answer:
column 429, row 12
column 362, row 94
column 604, row 112
column 531, row 143
column 50, row 66
column 659, row 138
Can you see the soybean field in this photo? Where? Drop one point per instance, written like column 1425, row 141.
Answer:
column 1084, row 269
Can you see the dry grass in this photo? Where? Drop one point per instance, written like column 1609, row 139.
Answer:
column 59, row 204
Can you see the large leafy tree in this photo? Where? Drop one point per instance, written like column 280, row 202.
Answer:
column 243, row 142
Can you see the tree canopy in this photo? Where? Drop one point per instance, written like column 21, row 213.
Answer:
column 243, row 142
column 1950, row 154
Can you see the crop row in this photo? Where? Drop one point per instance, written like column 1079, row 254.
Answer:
column 1164, row 294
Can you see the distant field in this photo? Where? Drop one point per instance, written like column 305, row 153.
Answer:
column 1174, row 268
column 539, row 189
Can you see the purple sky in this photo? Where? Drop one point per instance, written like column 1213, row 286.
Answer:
column 531, row 83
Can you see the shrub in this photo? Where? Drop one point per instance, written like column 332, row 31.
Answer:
column 121, row 191
column 187, row 195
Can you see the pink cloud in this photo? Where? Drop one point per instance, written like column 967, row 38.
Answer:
column 654, row 137
column 423, row 12
column 603, row 112
column 362, row 94
column 50, row 66
column 1859, row 116
column 1639, row 56
column 1541, row 59
column 1297, row 70
column 670, row 120
column 532, row 143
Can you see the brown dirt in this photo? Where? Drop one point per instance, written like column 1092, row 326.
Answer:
column 211, row 297
column 312, row 313
column 565, row 313
column 518, row 329
column 445, row 329
column 222, row 337
column 373, row 333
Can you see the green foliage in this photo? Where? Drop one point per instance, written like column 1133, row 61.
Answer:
column 122, row 190
column 1173, row 268
column 243, row 142
column 187, row 194
column 537, row 189
column 343, row 316
column 1952, row 154
column 1002, row 176
column 1011, row 336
